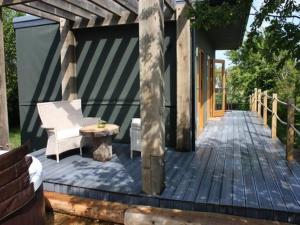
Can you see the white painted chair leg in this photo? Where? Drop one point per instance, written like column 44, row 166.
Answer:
column 80, row 149
column 57, row 158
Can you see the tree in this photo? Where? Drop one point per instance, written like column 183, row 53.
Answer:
column 283, row 18
column 10, row 63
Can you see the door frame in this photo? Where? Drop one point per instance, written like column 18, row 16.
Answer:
column 200, row 90
column 212, row 96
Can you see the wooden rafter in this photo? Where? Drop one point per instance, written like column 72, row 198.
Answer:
column 13, row 2
column 171, row 4
column 52, row 10
column 131, row 5
column 35, row 12
column 90, row 7
column 109, row 5
column 66, row 6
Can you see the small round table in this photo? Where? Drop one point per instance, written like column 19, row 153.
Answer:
column 102, row 140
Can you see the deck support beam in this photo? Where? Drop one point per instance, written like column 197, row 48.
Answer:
column 68, row 61
column 183, row 131
column 4, row 131
column 151, row 50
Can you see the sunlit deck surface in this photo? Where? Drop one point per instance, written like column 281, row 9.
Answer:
column 236, row 169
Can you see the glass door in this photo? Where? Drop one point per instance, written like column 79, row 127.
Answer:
column 218, row 86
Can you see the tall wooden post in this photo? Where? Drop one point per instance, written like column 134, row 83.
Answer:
column 4, row 131
column 290, row 139
column 259, row 103
column 68, row 61
column 255, row 99
column 183, row 54
column 265, row 113
column 253, row 103
column 151, row 49
column 274, row 116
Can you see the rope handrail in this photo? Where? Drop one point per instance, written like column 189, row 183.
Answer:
column 280, row 120
column 270, row 110
column 282, row 102
column 269, row 97
column 295, row 107
column 295, row 129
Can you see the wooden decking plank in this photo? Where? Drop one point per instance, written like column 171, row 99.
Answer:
column 261, row 187
column 175, row 180
column 238, row 198
column 285, row 188
column 192, row 190
column 188, row 176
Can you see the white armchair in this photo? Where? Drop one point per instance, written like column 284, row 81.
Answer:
column 62, row 121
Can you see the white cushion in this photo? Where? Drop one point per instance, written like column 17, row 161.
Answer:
column 67, row 133
column 136, row 122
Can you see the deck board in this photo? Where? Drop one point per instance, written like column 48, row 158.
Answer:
column 237, row 169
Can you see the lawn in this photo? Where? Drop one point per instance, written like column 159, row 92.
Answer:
column 14, row 137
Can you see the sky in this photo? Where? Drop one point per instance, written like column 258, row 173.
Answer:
column 221, row 54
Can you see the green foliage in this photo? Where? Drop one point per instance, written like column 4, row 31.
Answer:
column 11, row 69
column 283, row 19
column 207, row 15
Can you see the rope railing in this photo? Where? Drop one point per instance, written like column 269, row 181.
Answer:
column 259, row 103
column 280, row 120
column 282, row 102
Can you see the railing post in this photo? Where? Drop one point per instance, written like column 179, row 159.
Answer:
column 250, row 102
column 265, row 114
column 290, row 139
column 274, row 115
column 259, row 103
column 255, row 99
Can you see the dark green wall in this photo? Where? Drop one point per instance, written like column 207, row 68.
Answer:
column 38, row 65
column 108, row 75
column 107, row 70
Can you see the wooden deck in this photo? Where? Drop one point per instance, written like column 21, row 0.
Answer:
column 237, row 169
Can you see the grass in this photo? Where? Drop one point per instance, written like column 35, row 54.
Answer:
column 14, row 137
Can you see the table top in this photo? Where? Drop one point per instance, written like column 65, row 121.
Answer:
column 93, row 130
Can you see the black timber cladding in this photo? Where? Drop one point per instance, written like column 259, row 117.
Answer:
column 107, row 71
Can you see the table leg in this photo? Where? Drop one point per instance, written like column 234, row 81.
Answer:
column 102, row 148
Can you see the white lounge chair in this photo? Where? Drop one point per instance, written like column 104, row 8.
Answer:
column 62, row 121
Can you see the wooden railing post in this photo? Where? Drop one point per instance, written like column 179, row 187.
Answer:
column 265, row 113
column 290, row 139
column 255, row 99
column 259, row 103
column 274, row 115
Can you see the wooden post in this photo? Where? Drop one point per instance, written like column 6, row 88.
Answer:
column 250, row 102
column 255, row 99
column 253, row 103
column 68, row 61
column 151, row 49
column 274, row 116
column 265, row 114
column 259, row 103
column 4, row 131
column 290, row 139
column 183, row 46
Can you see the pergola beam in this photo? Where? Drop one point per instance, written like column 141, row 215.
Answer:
column 35, row 12
column 66, row 6
column 131, row 5
column 52, row 10
column 171, row 5
column 109, row 5
column 13, row 2
column 90, row 7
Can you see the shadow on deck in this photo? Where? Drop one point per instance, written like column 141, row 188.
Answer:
column 237, row 169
